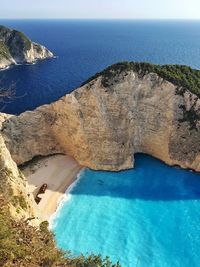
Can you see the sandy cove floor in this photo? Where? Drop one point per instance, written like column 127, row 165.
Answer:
column 58, row 172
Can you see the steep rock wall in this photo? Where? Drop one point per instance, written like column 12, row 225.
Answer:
column 16, row 48
column 102, row 127
column 14, row 189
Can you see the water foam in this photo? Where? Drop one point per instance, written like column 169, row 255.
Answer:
column 148, row 216
column 63, row 199
column 6, row 68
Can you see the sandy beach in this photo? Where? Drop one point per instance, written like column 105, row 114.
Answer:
column 58, row 172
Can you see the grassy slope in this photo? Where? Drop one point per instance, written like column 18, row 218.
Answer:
column 180, row 75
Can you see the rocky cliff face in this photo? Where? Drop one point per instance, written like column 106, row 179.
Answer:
column 16, row 48
column 102, row 125
column 14, row 189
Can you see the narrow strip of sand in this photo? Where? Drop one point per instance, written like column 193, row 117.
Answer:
column 58, row 172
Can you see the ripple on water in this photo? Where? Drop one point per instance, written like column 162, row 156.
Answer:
column 148, row 215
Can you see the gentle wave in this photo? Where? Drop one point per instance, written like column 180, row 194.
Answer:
column 29, row 64
column 6, row 68
column 147, row 216
column 63, row 199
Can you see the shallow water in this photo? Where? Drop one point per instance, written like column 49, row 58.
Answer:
column 145, row 217
column 148, row 216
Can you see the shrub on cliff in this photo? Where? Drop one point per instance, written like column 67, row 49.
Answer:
column 4, row 52
column 22, row 245
column 180, row 75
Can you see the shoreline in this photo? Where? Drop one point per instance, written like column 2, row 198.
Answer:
column 59, row 172
column 26, row 63
column 6, row 68
column 64, row 198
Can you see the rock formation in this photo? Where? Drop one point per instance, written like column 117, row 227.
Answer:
column 106, row 121
column 16, row 48
column 14, row 188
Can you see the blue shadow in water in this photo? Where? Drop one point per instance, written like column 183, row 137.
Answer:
column 151, row 179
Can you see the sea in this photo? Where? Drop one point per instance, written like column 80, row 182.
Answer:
column 145, row 217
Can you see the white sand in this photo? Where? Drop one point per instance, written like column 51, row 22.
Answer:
column 58, row 172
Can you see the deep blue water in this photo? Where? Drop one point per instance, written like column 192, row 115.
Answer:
column 85, row 47
column 145, row 217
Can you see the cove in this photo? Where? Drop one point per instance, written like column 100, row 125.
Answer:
column 145, row 217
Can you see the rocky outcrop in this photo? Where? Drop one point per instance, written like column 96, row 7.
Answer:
column 16, row 48
column 14, row 189
column 103, row 125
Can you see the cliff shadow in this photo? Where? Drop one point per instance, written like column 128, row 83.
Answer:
column 55, row 172
column 150, row 180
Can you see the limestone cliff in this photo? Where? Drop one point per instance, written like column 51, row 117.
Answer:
column 106, row 121
column 14, row 188
column 16, row 48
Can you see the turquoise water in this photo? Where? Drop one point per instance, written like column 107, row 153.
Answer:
column 149, row 216
column 145, row 217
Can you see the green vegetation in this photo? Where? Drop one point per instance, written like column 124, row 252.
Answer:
column 5, row 188
column 18, row 40
column 182, row 76
column 19, row 201
column 190, row 115
column 22, row 245
column 4, row 52
column 21, row 40
column 10, row 40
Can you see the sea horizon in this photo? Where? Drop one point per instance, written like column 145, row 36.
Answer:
column 100, row 143
column 85, row 47
column 108, row 19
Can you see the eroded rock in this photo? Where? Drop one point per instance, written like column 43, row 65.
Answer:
column 103, row 125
